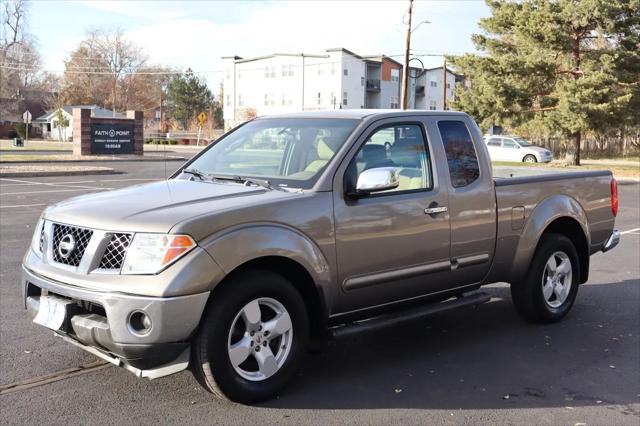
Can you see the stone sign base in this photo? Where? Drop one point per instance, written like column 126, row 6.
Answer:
column 107, row 136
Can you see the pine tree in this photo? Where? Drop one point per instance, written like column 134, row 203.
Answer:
column 187, row 96
column 567, row 66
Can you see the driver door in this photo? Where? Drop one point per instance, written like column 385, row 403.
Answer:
column 388, row 246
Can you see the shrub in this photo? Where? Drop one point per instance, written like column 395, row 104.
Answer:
column 148, row 140
column 172, row 142
column 21, row 130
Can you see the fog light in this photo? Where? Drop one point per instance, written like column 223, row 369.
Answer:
column 139, row 322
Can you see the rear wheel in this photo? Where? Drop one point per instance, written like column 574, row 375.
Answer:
column 530, row 159
column 549, row 290
column 252, row 338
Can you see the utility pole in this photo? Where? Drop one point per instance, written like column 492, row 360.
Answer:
column 444, row 84
column 160, row 123
column 405, row 69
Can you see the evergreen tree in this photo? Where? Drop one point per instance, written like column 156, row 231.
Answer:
column 187, row 96
column 566, row 66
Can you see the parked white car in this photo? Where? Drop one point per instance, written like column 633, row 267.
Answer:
column 514, row 148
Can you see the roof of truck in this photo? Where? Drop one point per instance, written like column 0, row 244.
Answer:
column 361, row 113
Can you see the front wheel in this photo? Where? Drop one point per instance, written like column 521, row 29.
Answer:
column 550, row 288
column 530, row 159
column 253, row 335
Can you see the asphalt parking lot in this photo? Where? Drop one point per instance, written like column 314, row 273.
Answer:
column 472, row 366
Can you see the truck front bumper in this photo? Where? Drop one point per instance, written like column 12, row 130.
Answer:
column 147, row 335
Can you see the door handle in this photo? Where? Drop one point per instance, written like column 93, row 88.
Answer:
column 435, row 210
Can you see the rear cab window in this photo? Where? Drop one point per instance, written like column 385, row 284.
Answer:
column 461, row 153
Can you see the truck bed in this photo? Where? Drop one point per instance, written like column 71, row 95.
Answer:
column 525, row 197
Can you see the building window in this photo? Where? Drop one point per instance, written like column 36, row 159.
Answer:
column 344, row 98
column 287, row 70
column 432, row 105
column 448, row 85
column 228, row 100
column 395, row 76
column 320, row 69
column 239, row 74
column 269, row 72
column 286, row 100
column 319, row 98
column 345, row 72
column 333, row 69
column 332, row 99
column 240, row 101
column 362, row 81
column 433, row 83
column 394, row 102
column 461, row 154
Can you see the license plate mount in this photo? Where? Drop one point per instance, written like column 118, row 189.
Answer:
column 53, row 312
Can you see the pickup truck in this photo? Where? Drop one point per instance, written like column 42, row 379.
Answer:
column 293, row 229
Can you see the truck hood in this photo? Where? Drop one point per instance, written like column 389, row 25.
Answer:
column 154, row 207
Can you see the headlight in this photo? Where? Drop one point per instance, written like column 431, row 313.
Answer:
column 151, row 253
column 36, row 240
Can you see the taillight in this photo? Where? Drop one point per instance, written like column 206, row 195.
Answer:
column 614, row 197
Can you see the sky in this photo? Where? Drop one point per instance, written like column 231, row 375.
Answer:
column 197, row 34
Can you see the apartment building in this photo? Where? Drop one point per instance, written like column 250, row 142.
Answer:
column 335, row 79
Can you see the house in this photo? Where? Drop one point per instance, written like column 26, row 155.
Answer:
column 337, row 78
column 51, row 128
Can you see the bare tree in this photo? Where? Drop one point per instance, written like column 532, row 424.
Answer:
column 108, row 69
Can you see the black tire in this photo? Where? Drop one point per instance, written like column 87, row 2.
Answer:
column 528, row 296
column 211, row 364
column 529, row 158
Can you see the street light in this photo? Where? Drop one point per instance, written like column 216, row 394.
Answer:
column 420, row 23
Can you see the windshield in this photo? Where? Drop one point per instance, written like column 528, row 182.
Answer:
column 522, row 142
column 287, row 152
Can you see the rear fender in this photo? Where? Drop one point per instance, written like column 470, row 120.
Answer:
column 547, row 211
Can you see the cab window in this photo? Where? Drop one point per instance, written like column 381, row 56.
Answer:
column 399, row 146
column 461, row 154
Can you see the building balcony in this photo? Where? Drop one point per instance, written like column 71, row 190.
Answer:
column 420, row 91
column 373, row 85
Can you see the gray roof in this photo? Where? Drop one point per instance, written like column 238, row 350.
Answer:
column 96, row 111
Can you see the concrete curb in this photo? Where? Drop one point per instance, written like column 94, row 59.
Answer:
column 61, row 173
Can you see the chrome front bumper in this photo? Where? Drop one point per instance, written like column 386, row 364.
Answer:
column 612, row 241
column 100, row 322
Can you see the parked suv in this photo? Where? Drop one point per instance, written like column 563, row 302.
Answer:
column 515, row 148
column 293, row 229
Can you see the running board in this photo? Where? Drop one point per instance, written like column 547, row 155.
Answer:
column 386, row 320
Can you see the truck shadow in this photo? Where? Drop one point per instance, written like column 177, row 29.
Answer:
column 487, row 357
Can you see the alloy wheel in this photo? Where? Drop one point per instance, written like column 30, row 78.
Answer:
column 260, row 339
column 557, row 279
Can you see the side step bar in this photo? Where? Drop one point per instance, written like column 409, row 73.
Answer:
column 386, row 320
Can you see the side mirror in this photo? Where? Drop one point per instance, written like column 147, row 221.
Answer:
column 376, row 180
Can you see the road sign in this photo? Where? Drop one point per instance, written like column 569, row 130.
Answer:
column 26, row 117
column 202, row 117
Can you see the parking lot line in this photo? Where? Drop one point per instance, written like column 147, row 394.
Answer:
column 53, row 191
column 21, row 205
column 630, row 231
column 53, row 184
column 26, row 183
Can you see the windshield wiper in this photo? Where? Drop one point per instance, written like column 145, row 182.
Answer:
column 198, row 173
column 260, row 182
column 240, row 179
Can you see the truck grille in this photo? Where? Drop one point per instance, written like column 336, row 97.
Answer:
column 41, row 246
column 114, row 253
column 80, row 237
